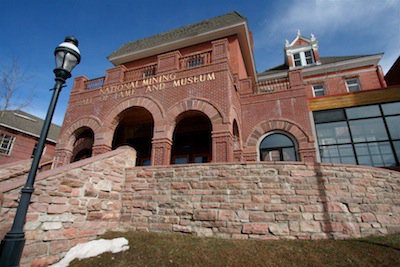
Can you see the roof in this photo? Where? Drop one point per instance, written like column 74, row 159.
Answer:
column 179, row 33
column 392, row 77
column 27, row 123
column 323, row 60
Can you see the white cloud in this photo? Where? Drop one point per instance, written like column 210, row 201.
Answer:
column 375, row 22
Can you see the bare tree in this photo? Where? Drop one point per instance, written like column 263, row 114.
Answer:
column 12, row 78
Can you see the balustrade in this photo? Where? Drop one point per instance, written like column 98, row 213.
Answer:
column 273, row 85
column 94, row 83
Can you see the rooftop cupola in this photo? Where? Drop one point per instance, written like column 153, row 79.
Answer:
column 302, row 52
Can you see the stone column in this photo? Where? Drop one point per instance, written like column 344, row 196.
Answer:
column 100, row 149
column 62, row 157
column 161, row 151
column 222, row 144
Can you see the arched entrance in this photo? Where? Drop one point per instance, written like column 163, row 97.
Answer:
column 83, row 145
column 192, row 138
column 135, row 129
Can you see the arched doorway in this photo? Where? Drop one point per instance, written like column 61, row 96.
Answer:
column 278, row 147
column 135, row 129
column 83, row 145
column 192, row 138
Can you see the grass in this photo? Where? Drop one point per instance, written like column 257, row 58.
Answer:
column 164, row 249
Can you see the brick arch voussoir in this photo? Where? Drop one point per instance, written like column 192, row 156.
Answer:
column 147, row 103
column 203, row 105
column 272, row 125
column 68, row 137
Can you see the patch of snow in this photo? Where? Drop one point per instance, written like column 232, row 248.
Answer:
column 92, row 249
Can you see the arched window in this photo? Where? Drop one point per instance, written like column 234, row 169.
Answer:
column 277, row 147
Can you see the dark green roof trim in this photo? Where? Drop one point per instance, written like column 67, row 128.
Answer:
column 27, row 123
column 179, row 33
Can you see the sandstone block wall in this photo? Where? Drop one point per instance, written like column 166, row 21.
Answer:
column 263, row 201
column 70, row 205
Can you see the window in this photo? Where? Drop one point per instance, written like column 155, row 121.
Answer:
column 297, row 59
column 365, row 135
column 277, row 147
column 318, row 90
column 303, row 58
column 353, row 85
column 6, row 143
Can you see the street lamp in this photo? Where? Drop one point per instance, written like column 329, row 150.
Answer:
column 67, row 57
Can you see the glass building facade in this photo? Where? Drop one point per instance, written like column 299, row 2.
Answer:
column 364, row 135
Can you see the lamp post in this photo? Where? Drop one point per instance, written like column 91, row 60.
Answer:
column 67, row 57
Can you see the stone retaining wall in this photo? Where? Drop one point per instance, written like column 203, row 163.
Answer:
column 263, row 201
column 70, row 205
column 78, row 202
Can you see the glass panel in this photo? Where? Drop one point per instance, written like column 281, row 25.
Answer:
column 271, row 155
column 368, row 130
column 181, row 160
column 329, row 115
column 276, row 140
column 289, row 154
column 393, row 124
column 333, row 133
column 308, row 57
column 363, row 112
column 375, row 154
column 337, row 154
column 396, row 145
column 200, row 159
column 297, row 60
column 391, row 108
column 318, row 90
column 353, row 85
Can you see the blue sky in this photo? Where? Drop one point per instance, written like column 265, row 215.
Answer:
column 32, row 29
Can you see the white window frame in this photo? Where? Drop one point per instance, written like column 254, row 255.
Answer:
column 9, row 144
column 303, row 58
column 314, row 89
column 353, row 85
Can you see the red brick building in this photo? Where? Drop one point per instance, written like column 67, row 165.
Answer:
column 192, row 95
column 19, row 135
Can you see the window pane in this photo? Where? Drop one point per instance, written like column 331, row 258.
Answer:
column 289, row 154
column 391, row 108
column 363, row 112
column 375, row 154
column 271, row 155
column 181, row 160
column 333, row 133
column 396, row 145
column 394, row 126
column 308, row 56
column 318, row 90
column 329, row 115
column 353, row 85
column 368, row 130
column 276, row 140
column 337, row 154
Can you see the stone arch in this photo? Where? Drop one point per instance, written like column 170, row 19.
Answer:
column 216, row 117
column 292, row 128
column 67, row 139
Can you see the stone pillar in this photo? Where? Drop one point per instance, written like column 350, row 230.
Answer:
column 100, row 149
column 220, row 50
column 115, row 75
column 161, row 151
column 62, row 157
column 79, row 84
column 222, row 144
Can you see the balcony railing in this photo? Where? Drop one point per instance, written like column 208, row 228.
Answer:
column 94, row 83
column 195, row 60
column 273, row 85
column 140, row 73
